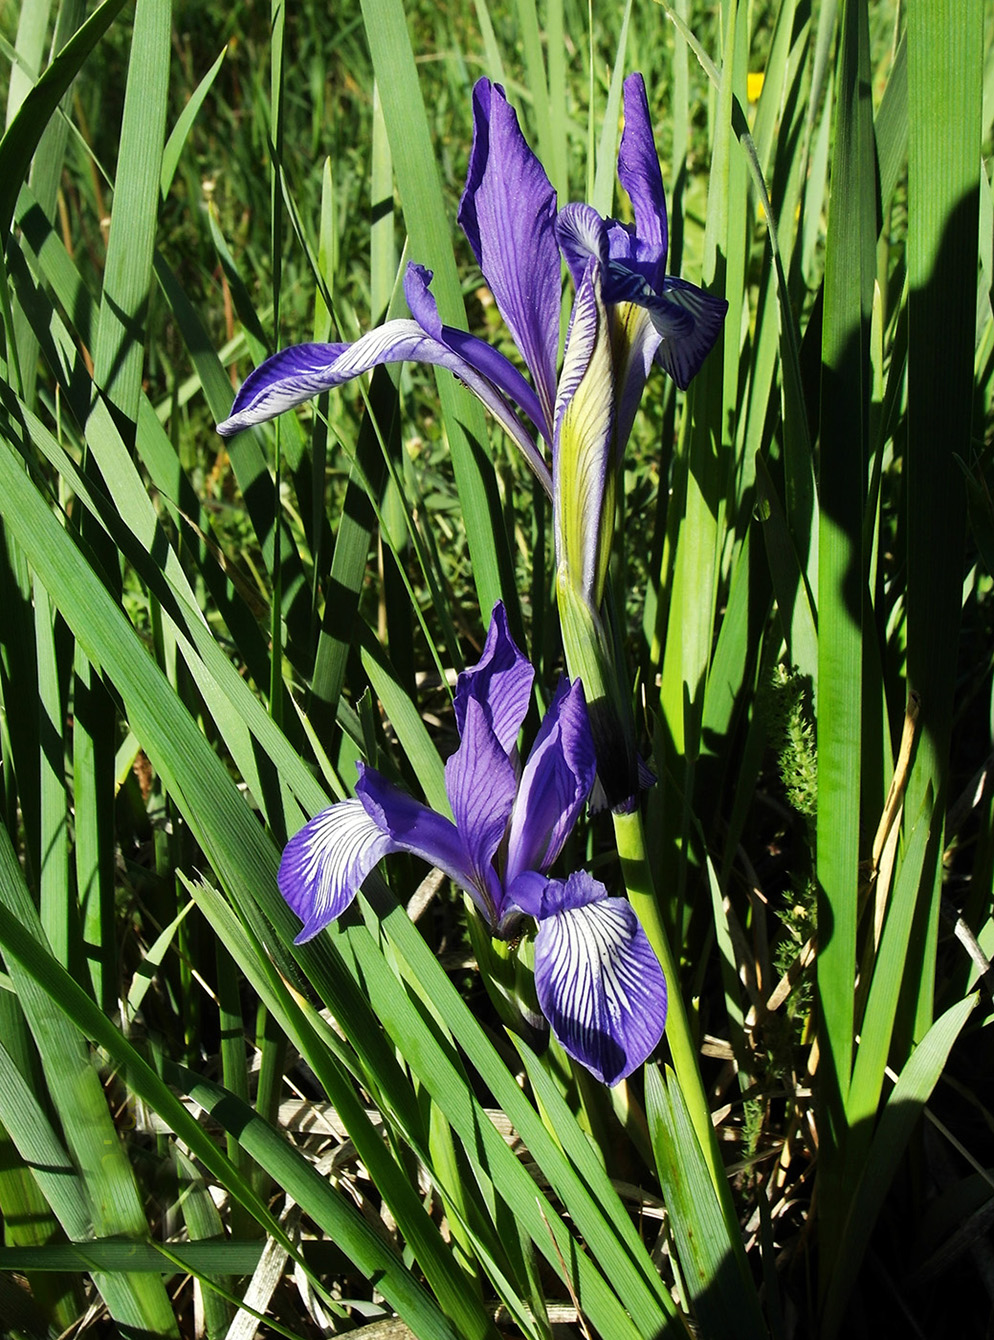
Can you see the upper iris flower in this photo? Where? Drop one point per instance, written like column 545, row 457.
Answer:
column 598, row 981
column 509, row 214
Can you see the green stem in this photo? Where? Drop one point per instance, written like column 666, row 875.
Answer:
column 630, row 839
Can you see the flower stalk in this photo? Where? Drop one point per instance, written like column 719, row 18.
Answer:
column 630, row 839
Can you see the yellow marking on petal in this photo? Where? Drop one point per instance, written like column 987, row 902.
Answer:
column 585, row 473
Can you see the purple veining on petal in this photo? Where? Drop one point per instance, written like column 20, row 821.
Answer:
column 303, row 371
column 324, row 864
column 508, row 212
column 582, row 236
column 287, row 379
column 597, row 979
column 555, row 784
column 501, row 681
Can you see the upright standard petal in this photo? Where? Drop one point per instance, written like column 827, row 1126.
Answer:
column 324, row 864
column 555, row 784
column 501, row 681
column 598, row 981
column 481, row 785
column 508, row 212
column 638, row 172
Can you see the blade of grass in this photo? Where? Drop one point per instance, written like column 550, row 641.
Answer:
column 899, row 1117
column 945, row 81
column 850, row 267
column 723, row 1302
column 23, row 134
column 139, row 1304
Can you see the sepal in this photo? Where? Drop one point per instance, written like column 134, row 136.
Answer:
column 597, row 979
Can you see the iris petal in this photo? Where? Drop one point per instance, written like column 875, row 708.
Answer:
column 598, row 981
column 638, row 172
column 582, row 477
column 487, row 360
column 303, row 371
column 554, row 785
column 414, row 827
column 582, row 237
column 501, row 681
column 681, row 354
column 324, row 864
column 481, row 784
column 635, row 341
column 508, row 212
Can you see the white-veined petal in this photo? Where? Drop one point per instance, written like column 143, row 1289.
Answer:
column 600, row 984
column 324, row 864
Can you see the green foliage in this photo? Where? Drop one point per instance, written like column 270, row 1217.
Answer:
column 197, row 643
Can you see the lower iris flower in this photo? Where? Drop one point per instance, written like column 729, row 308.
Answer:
column 598, row 981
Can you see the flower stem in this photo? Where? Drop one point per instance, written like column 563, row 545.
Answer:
column 630, row 839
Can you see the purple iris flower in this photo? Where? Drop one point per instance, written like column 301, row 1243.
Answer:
column 509, row 214
column 598, row 981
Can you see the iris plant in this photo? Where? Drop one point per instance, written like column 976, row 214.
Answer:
column 597, row 979
column 627, row 314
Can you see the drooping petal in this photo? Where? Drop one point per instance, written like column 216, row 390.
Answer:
column 638, row 172
column 481, row 784
column 555, row 783
column 490, row 362
column 303, row 371
column 287, row 379
column 583, row 479
column 598, row 981
column 414, row 827
column 508, row 211
column 582, row 236
column 501, row 681
column 681, row 351
column 324, row 864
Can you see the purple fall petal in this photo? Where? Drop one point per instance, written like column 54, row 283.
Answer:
column 508, row 212
column 598, row 981
column 480, row 782
column 638, row 172
column 555, row 784
column 681, row 355
column 287, row 379
column 414, row 827
column 324, row 864
column 501, row 681
column 305, row 370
